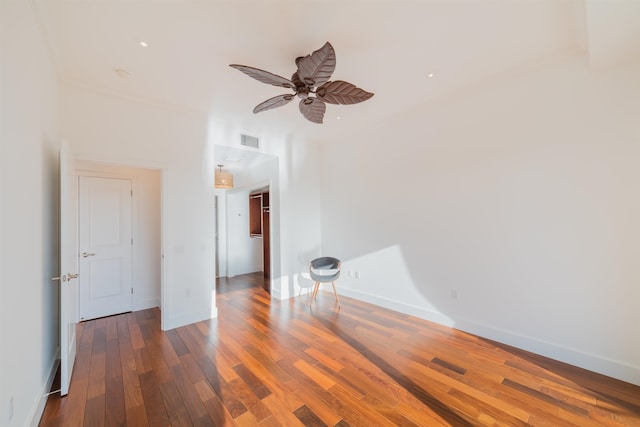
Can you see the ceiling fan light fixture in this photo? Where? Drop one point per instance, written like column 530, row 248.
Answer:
column 223, row 180
column 311, row 83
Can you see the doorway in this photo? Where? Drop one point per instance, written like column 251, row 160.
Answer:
column 105, row 246
column 141, row 286
column 245, row 241
column 259, row 228
column 239, row 250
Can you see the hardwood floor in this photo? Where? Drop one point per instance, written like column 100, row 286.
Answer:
column 280, row 363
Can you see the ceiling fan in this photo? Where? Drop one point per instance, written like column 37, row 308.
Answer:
column 311, row 78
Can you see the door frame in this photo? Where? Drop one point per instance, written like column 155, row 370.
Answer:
column 161, row 168
column 255, row 186
column 68, row 265
column 134, row 216
column 218, row 263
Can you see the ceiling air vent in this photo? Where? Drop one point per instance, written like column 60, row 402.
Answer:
column 249, row 141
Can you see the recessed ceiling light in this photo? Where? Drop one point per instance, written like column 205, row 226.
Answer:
column 144, row 44
column 122, row 73
column 431, row 75
column 338, row 118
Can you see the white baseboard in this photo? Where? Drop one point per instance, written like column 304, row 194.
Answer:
column 592, row 362
column 146, row 304
column 413, row 310
column 187, row 319
column 241, row 271
column 41, row 402
column 277, row 291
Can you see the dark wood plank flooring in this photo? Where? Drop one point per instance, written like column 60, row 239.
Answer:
column 280, row 363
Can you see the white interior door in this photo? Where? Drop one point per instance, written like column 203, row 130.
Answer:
column 68, row 266
column 105, row 247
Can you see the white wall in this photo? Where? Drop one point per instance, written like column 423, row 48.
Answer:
column 221, row 224
column 297, row 207
column 244, row 253
column 520, row 195
column 29, row 135
column 108, row 128
column 146, row 227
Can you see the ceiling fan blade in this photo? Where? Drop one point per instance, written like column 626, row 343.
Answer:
column 276, row 101
column 340, row 92
column 317, row 68
column 264, row 76
column 313, row 109
column 295, row 79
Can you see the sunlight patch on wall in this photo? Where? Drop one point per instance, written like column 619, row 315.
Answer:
column 214, row 308
column 369, row 277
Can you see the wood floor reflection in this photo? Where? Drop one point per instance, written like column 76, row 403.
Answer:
column 279, row 363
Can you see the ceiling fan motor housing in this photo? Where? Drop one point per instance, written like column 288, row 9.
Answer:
column 312, row 76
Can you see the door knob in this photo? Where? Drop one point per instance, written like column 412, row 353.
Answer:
column 72, row 276
column 85, row 254
column 55, row 278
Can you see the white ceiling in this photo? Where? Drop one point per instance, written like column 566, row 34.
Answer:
column 233, row 159
column 386, row 47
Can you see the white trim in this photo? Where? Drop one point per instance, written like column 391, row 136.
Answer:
column 118, row 161
column 275, row 292
column 188, row 319
column 106, row 91
column 38, row 405
column 251, row 187
column 413, row 310
column 164, row 291
column 592, row 362
column 278, row 289
column 146, row 304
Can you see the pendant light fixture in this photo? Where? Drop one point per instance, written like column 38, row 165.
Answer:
column 223, row 179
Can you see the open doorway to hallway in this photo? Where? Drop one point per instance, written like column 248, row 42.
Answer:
column 245, row 219
column 241, row 282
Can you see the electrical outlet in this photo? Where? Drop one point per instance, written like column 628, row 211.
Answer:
column 10, row 409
